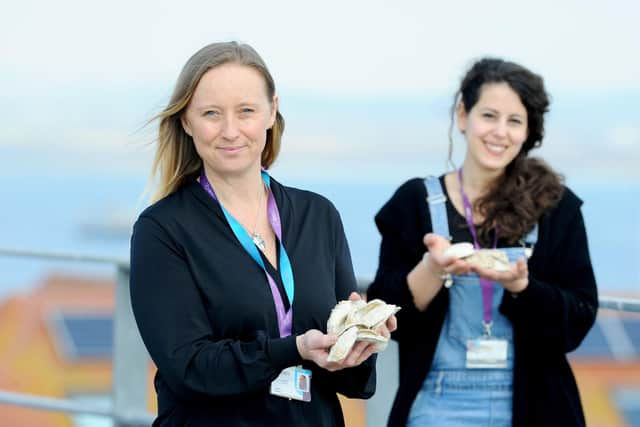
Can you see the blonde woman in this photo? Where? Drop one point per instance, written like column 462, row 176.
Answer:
column 233, row 275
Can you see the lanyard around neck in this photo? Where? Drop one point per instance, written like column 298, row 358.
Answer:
column 486, row 285
column 285, row 270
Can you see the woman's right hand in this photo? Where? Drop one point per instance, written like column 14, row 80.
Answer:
column 437, row 262
column 433, row 271
column 313, row 345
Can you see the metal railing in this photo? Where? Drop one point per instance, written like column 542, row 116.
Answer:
column 130, row 357
column 620, row 304
column 131, row 360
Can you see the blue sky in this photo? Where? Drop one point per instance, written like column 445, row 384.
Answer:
column 365, row 87
column 360, row 81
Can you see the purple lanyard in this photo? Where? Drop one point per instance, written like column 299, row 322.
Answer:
column 486, row 285
column 285, row 318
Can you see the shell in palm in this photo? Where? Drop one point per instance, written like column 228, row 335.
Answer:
column 354, row 321
column 493, row 259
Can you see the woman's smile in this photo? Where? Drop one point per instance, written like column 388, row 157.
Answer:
column 232, row 149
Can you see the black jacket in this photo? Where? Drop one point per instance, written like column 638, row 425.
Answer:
column 550, row 318
column 207, row 317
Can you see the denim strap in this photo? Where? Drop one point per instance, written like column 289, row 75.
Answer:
column 437, row 207
column 532, row 237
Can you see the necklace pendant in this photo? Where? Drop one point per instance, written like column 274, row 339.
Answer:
column 258, row 241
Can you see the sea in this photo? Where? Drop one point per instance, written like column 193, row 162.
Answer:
column 91, row 215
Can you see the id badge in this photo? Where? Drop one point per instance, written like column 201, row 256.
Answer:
column 487, row 352
column 293, row 382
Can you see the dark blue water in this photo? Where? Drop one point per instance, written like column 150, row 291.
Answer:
column 61, row 213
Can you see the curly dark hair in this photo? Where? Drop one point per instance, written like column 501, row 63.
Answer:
column 529, row 187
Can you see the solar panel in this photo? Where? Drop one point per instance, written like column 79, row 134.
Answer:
column 85, row 335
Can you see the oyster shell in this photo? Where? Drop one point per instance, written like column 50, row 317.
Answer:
column 494, row 259
column 372, row 337
column 376, row 312
column 343, row 345
column 460, row 250
column 356, row 321
column 491, row 258
column 338, row 317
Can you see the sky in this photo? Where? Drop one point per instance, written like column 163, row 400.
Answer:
column 330, row 46
column 82, row 77
column 365, row 86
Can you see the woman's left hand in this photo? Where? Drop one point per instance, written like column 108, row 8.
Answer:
column 515, row 280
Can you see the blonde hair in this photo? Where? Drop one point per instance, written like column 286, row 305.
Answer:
column 176, row 159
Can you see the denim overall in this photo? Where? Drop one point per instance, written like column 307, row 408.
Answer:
column 453, row 395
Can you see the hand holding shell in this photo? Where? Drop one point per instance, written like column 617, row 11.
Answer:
column 355, row 321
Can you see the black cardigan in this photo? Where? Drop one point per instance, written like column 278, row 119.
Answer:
column 550, row 318
column 206, row 315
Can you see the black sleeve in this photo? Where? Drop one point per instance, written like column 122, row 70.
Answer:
column 360, row 381
column 402, row 223
column 175, row 328
column 556, row 313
